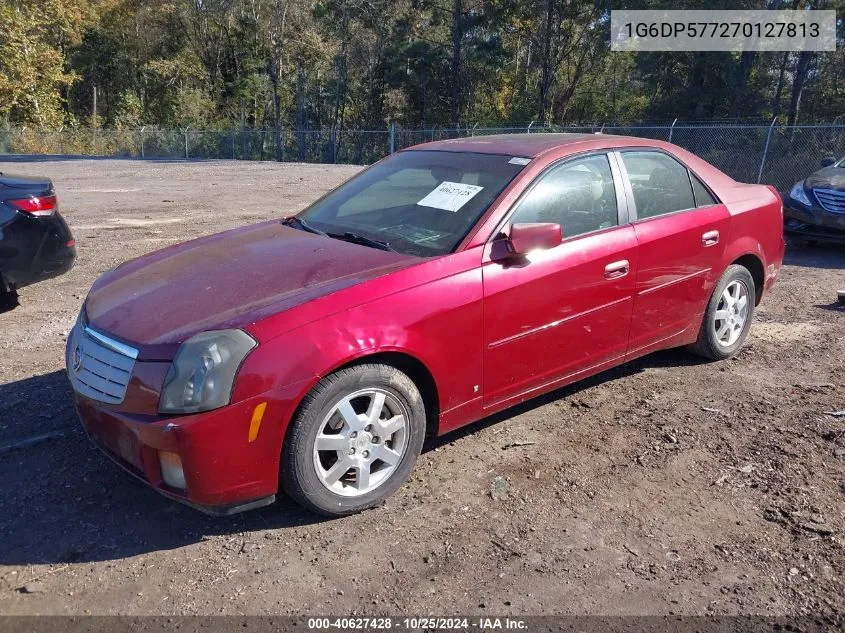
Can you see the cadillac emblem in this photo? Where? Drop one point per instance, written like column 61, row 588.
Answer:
column 76, row 359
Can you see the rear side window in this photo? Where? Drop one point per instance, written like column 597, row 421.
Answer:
column 661, row 184
column 579, row 195
column 703, row 198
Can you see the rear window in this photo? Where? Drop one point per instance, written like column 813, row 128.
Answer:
column 703, row 198
column 661, row 184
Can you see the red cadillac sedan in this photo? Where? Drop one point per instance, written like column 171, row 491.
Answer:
column 444, row 283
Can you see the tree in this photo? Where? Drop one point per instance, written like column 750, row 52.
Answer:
column 32, row 60
column 367, row 63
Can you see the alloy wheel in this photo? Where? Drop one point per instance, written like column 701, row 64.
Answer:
column 361, row 442
column 731, row 313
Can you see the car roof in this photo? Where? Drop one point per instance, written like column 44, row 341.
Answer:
column 559, row 145
column 531, row 145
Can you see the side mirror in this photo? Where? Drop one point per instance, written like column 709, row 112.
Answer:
column 827, row 161
column 525, row 238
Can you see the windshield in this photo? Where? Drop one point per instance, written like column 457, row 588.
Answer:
column 418, row 202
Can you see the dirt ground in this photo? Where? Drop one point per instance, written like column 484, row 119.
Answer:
column 668, row 486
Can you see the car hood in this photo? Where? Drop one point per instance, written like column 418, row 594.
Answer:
column 827, row 178
column 227, row 280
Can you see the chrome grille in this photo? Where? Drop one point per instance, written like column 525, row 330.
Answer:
column 831, row 200
column 99, row 367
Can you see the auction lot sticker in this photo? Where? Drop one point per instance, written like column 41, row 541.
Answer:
column 450, row 196
column 733, row 30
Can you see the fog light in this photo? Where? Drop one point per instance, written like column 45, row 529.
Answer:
column 171, row 470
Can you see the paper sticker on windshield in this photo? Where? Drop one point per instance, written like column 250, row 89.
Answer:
column 450, row 196
column 518, row 160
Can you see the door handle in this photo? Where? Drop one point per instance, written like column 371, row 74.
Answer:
column 711, row 238
column 615, row 270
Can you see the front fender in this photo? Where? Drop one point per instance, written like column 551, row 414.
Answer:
column 438, row 323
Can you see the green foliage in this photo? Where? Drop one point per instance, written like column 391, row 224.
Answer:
column 128, row 112
column 32, row 73
column 193, row 107
column 367, row 63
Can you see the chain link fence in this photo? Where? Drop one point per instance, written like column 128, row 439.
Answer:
column 770, row 154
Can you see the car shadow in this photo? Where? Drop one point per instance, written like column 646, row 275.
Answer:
column 822, row 255
column 62, row 501
column 664, row 359
column 836, row 306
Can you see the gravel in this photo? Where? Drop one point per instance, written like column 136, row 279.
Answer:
column 667, row 486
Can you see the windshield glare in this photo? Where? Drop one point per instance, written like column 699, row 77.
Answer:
column 420, row 202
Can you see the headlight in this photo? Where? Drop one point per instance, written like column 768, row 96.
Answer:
column 799, row 194
column 203, row 372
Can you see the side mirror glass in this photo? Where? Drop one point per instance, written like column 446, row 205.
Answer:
column 827, row 161
column 525, row 238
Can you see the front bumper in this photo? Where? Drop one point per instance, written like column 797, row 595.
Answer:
column 227, row 466
column 813, row 223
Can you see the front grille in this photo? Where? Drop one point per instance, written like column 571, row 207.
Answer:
column 831, row 200
column 99, row 367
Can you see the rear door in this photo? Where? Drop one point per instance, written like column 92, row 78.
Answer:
column 681, row 230
column 563, row 311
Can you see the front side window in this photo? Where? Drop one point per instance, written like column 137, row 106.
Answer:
column 661, row 184
column 579, row 195
column 419, row 202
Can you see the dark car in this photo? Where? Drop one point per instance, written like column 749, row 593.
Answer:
column 815, row 207
column 35, row 242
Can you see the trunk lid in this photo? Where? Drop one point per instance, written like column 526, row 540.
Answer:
column 13, row 186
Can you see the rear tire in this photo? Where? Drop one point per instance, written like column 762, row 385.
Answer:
column 728, row 316
column 8, row 300
column 354, row 440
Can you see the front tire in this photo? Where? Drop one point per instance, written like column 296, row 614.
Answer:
column 354, row 440
column 728, row 315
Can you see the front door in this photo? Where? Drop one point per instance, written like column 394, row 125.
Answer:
column 560, row 312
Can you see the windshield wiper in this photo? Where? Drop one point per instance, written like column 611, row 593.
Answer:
column 295, row 221
column 348, row 236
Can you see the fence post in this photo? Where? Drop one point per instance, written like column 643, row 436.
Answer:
column 528, row 131
column 232, row 138
column 283, row 134
column 143, row 127
column 432, row 131
column 472, row 133
column 672, row 129
column 601, row 129
column 334, row 145
column 243, row 130
column 186, row 142
column 765, row 151
column 392, row 137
